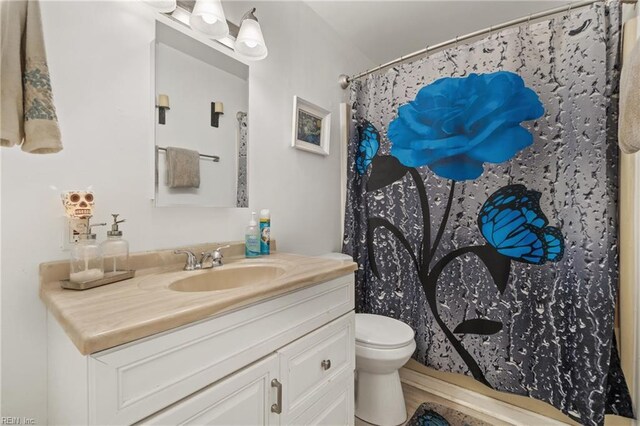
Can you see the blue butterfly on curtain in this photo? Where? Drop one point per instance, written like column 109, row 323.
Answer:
column 512, row 222
column 367, row 147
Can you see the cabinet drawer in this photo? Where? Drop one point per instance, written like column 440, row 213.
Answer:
column 309, row 365
column 334, row 408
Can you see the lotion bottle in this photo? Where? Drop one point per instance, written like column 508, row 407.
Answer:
column 252, row 238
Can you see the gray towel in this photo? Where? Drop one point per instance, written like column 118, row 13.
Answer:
column 629, row 126
column 183, row 168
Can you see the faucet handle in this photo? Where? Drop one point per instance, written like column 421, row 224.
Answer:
column 192, row 262
column 220, row 248
column 215, row 256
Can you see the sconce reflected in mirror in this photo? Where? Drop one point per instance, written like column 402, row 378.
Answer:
column 217, row 109
column 163, row 105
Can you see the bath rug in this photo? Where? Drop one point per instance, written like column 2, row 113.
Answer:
column 432, row 414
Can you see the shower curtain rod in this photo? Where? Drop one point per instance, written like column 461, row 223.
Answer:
column 344, row 79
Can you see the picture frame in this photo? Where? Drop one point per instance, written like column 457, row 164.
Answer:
column 311, row 127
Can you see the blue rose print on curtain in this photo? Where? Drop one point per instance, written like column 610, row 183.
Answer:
column 454, row 126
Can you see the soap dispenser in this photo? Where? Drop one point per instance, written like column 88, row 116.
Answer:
column 115, row 249
column 86, row 258
column 252, row 238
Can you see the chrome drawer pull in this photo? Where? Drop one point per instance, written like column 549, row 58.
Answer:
column 325, row 364
column 277, row 407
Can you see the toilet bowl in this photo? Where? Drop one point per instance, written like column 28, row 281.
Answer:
column 383, row 346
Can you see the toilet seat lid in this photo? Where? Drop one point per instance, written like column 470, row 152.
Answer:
column 377, row 331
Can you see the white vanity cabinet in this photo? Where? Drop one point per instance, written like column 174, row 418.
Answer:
column 286, row 360
column 309, row 381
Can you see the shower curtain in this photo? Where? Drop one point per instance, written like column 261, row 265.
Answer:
column 481, row 208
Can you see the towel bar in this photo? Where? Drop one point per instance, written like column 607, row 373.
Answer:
column 215, row 158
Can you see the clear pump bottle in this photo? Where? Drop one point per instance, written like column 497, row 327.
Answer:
column 86, row 258
column 115, row 249
column 252, row 238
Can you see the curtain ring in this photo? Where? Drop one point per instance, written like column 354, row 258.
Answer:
column 426, row 51
column 456, row 43
column 529, row 23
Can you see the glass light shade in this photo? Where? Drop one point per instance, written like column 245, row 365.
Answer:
column 208, row 18
column 250, row 42
column 164, row 6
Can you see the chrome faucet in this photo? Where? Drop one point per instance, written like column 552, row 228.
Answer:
column 193, row 264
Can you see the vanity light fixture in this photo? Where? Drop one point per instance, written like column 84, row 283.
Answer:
column 164, row 6
column 208, row 18
column 250, row 42
column 217, row 109
column 163, row 105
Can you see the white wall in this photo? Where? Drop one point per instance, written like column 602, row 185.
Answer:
column 99, row 57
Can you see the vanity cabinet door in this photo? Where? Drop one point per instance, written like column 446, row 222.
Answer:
column 244, row 398
column 310, row 368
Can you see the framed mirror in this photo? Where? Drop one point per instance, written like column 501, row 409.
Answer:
column 201, row 138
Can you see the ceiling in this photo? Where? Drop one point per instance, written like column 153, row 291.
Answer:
column 385, row 29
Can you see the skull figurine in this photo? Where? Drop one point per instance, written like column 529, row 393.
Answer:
column 78, row 204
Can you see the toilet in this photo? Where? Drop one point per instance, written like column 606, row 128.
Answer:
column 383, row 346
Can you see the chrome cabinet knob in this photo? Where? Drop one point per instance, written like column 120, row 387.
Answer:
column 325, row 364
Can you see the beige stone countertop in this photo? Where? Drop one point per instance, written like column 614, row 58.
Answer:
column 108, row 316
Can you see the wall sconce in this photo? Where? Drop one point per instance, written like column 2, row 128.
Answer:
column 208, row 18
column 164, row 6
column 250, row 42
column 163, row 105
column 217, row 109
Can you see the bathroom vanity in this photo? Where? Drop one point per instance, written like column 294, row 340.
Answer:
column 270, row 342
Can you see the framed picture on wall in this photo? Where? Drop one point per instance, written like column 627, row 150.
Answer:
column 311, row 127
